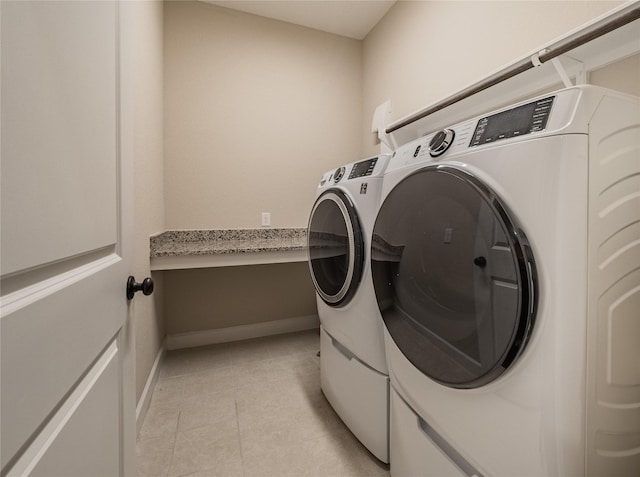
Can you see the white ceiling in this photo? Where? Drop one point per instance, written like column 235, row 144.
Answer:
column 350, row 18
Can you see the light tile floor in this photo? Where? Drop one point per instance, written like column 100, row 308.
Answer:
column 248, row 409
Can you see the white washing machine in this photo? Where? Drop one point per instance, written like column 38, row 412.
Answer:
column 506, row 266
column 353, row 368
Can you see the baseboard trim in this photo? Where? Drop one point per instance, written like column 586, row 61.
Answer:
column 242, row 332
column 152, row 379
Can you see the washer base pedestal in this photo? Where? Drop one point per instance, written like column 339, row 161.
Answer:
column 358, row 394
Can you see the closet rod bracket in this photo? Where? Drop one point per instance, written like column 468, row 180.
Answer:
column 576, row 68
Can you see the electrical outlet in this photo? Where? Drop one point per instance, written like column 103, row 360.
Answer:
column 266, row 219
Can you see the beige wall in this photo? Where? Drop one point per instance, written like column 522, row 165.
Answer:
column 622, row 76
column 255, row 111
column 148, row 179
column 421, row 52
column 207, row 299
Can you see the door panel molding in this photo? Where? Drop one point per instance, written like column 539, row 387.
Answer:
column 29, row 289
column 37, row 449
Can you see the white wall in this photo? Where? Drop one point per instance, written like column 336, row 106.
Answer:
column 424, row 51
column 148, row 178
column 255, row 111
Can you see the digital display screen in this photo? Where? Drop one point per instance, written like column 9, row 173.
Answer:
column 515, row 122
column 363, row 168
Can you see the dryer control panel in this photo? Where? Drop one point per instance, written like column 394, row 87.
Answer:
column 525, row 119
column 554, row 113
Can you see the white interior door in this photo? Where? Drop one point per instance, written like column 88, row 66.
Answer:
column 67, row 399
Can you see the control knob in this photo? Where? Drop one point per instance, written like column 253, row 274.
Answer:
column 441, row 142
column 338, row 174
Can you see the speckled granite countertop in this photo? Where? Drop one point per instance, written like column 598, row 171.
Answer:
column 180, row 243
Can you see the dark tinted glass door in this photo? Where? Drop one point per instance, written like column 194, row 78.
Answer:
column 336, row 248
column 453, row 276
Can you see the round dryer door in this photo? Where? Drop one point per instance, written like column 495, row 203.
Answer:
column 336, row 248
column 454, row 277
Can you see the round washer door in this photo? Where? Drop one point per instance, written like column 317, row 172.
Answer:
column 454, row 277
column 336, row 247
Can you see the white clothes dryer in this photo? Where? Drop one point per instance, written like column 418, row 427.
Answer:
column 506, row 265
column 353, row 368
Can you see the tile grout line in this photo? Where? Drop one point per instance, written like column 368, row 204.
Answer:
column 175, row 440
column 235, row 402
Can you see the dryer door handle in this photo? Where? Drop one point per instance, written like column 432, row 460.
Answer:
column 480, row 262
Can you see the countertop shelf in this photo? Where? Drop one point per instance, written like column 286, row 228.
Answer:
column 184, row 249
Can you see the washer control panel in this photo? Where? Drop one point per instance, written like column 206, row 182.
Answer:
column 525, row 119
column 372, row 167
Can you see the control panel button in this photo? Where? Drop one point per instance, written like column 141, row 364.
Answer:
column 441, row 142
